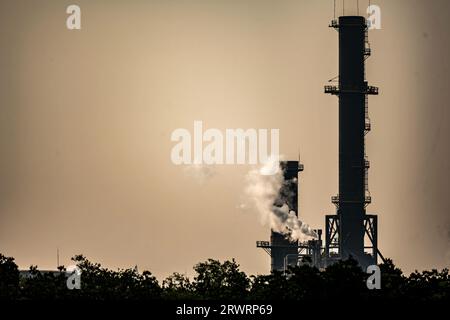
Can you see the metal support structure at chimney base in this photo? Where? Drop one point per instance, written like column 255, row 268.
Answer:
column 345, row 232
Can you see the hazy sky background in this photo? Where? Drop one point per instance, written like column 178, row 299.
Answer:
column 86, row 118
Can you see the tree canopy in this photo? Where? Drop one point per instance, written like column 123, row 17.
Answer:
column 215, row 280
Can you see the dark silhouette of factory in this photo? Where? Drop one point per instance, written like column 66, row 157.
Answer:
column 351, row 231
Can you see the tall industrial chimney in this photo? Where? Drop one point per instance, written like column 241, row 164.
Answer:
column 345, row 232
column 351, row 231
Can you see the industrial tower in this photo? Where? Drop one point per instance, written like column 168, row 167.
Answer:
column 281, row 250
column 351, row 230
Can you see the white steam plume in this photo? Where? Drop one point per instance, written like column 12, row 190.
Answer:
column 262, row 188
column 201, row 173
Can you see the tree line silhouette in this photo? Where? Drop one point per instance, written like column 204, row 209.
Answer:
column 215, row 280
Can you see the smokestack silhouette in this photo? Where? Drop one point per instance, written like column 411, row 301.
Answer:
column 282, row 246
column 346, row 230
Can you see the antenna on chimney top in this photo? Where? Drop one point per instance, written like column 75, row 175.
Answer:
column 334, row 9
column 57, row 258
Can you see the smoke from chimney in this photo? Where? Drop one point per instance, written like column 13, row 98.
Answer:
column 262, row 191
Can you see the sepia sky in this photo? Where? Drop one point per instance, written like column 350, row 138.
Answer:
column 86, row 117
